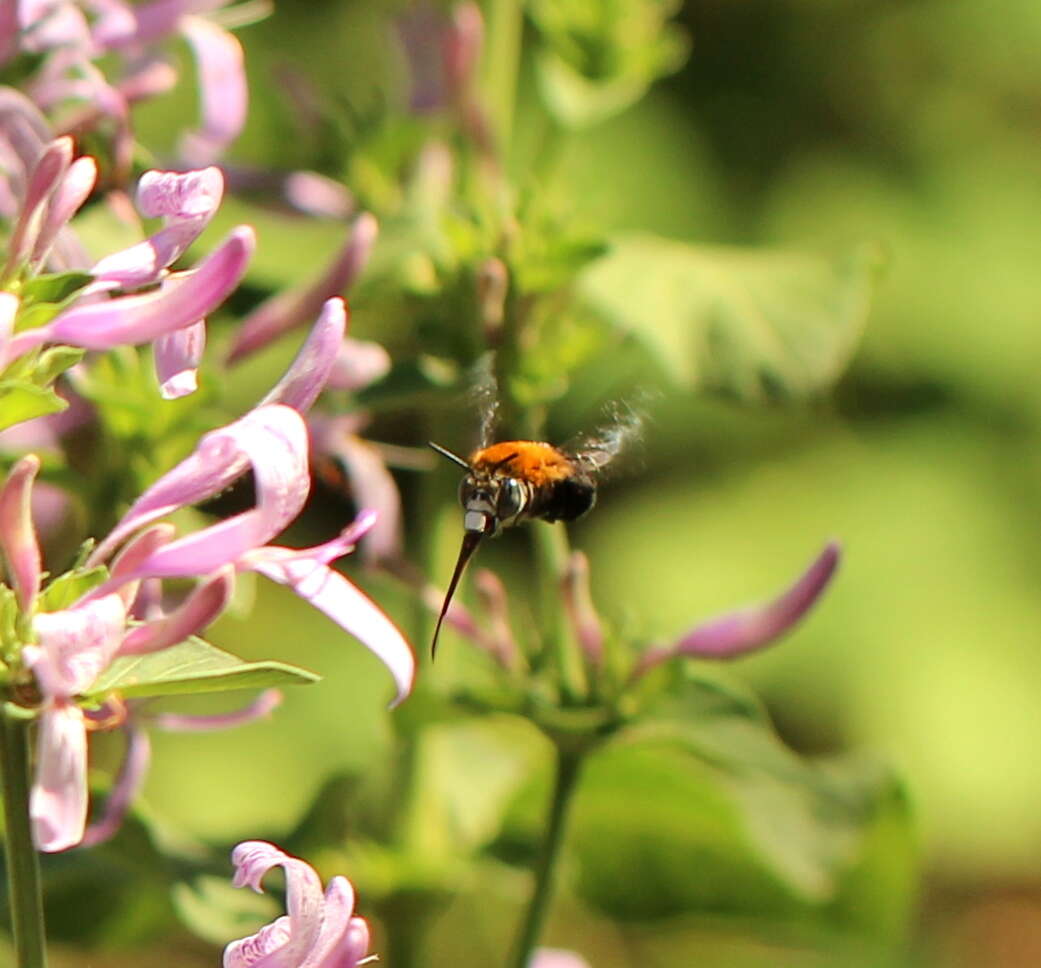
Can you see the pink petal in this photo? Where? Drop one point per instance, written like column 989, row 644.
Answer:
column 314, row 194
column 306, row 377
column 223, row 90
column 58, row 802
column 177, row 358
column 557, row 958
column 129, row 560
column 260, row 708
column 332, row 594
column 69, row 195
column 75, row 645
column 304, row 902
column 17, row 537
column 159, row 18
column 24, row 127
column 199, row 609
column 751, row 628
column 273, row 439
column 186, row 203
column 128, row 784
column 114, row 22
column 462, row 44
column 180, row 301
column 746, row 630
column 46, row 176
column 371, row 485
column 358, row 363
column 340, row 943
column 580, row 609
column 493, row 597
column 288, row 309
column 8, row 311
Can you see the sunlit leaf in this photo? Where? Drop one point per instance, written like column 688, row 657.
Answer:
column 20, row 401
column 757, row 325
column 191, row 667
column 70, row 587
column 53, row 288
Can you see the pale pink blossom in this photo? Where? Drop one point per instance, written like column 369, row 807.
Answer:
column 319, row 930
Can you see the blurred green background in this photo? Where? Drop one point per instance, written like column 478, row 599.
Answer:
column 804, row 123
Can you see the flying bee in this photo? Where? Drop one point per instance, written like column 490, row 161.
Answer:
column 521, row 480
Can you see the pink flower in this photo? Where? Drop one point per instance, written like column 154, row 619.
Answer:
column 74, row 645
column 319, row 931
column 749, row 629
column 71, row 37
column 172, row 314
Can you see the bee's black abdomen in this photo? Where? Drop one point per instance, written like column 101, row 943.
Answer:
column 568, row 499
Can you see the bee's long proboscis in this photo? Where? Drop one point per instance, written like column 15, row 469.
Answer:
column 445, row 452
column 471, row 539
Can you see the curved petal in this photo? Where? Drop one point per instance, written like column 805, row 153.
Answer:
column 273, row 440
column 580, row 609
column 128, row 784
column 339, row 943
column 371, row 485
column 331, row 593
column 180, row 301
column 17, row 536
column 494, row 599
column 304, row 903
column 359, row 363
column 307, row 374
column 262, row 706
column 177, row 358
column 740, row 632
column 199, row 609
column 222, row 88
column 186, row 202
column 46, row 175
column 58, row 801
column 288, row 309
column 73, row 190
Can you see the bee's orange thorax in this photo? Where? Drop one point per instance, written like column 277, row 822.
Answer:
column 531, row 461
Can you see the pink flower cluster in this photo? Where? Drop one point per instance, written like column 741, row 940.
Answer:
column 122, row 617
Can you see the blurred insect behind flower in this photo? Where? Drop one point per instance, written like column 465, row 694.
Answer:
column 513, row 481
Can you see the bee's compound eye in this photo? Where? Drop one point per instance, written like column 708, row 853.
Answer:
column 511, row 499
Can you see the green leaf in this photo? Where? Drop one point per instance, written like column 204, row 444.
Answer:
column 71, row 587
column 45, row 297
column 21, row 401
column 191, row 667
column 596, row 59
column 54, row 288
column 53, row 362
column 217, row 912
column 469, row 772
column 8, row 618
column 807, row 820
column 755, row 325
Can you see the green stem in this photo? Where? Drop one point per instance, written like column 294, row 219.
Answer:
column 569, row 764
column 23, row 869
column 500, row 64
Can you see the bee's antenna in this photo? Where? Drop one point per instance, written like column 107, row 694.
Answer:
column 471, row 539
column 444, row 452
